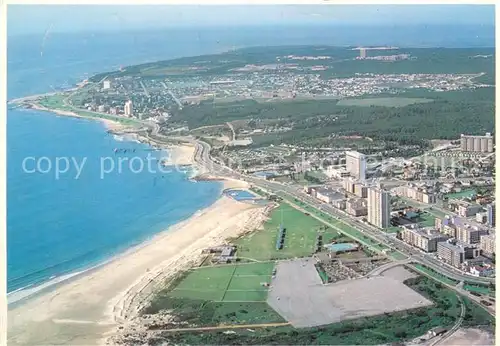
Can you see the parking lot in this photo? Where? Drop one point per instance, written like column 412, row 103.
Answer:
column 298, row 295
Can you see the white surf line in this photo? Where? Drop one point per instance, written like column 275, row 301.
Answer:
column 69, row 321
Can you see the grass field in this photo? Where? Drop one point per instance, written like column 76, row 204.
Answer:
column 383, row 101
column 374, row 330
column 54, row 101
column 436, row 275
column 300, row 239
column 426, row 219
column 241, row 283
column 477, row 289
column 461, row 194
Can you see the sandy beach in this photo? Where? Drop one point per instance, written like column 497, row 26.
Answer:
column 181, row 154
column 88, row 309
column 110, row 124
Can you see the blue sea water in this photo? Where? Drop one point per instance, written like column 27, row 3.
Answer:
column 58, row 226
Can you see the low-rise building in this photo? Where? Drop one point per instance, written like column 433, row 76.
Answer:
column 328, row 195
column 422, row 194
column 482, row 271
column 469, row 235
column 357, row 207
column 481, row 217
column 467, row 209
column 337, row 173
column 455, row 253
column 425, row 238
column 339, row 204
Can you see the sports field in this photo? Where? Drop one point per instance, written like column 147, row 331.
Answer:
column 300, row 238
column 226, row 283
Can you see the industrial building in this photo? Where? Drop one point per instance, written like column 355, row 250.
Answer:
column 478, row 144
column 355, row 164
column 455, row 253
column 379, row 207
column 425, row 238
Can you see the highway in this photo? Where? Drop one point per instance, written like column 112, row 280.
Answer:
column 202, row 156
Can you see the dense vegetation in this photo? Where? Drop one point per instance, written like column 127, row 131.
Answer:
column 317, row 122
column 314, row 122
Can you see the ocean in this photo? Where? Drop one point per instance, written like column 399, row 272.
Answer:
column 61, row 225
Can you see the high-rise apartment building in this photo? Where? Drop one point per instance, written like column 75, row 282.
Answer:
column 128, row 109
column 479, row 144
column 379, row 207
column 487, row 244
column 490, row 210
column 355, row 164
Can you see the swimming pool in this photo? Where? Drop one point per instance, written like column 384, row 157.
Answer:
column 241, row 195
column 341, row 247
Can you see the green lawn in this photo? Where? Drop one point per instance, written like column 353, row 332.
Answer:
column 461, row 194
column 479, row 289
column 301, row 232
column 435, row 275
column 240, row 282
column 374, row 330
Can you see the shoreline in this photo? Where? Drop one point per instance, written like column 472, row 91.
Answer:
column 114, row 291
column 97, row 301
column 179, row 155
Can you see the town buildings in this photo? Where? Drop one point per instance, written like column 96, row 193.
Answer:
column 478, row 144
column 355, row 164
column 425, row 238
column 469, row 235
column 355, row 187
column 455, row 253
column 487, row 245
column 467, row 209
column 379, row 207
column 328, row 195
column 356, row 207
column 418, row 193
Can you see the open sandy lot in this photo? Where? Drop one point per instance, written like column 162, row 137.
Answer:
column 469, row 337
column 90, row 307
column 299, row 296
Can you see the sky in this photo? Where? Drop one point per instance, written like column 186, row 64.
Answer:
column 36, row 19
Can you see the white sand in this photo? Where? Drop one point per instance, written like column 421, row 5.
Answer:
column 88, row 308
column 110, row 124
column 182, row 154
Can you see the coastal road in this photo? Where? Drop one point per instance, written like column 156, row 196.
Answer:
column 202, row 156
